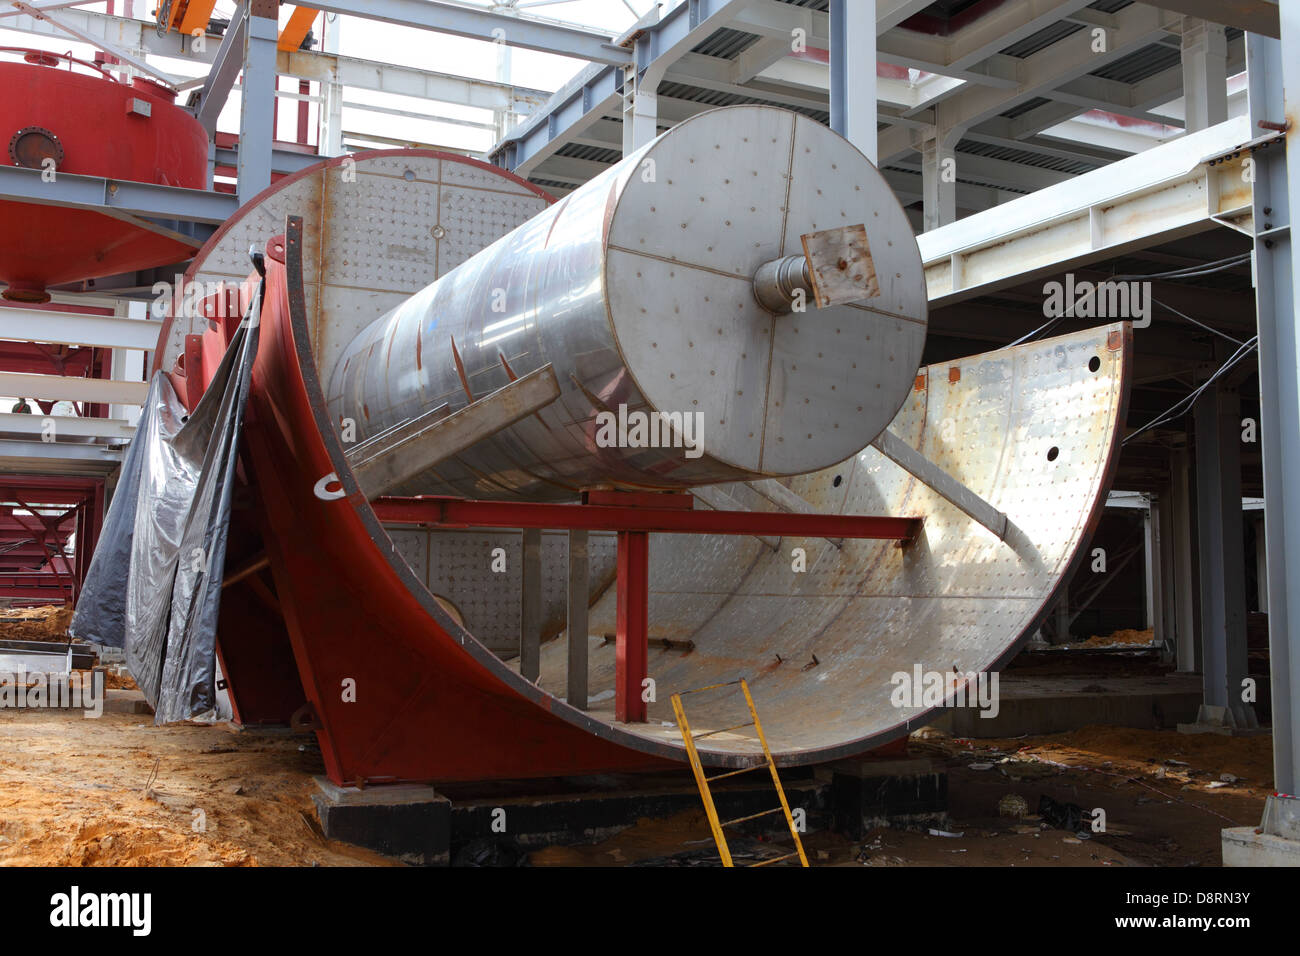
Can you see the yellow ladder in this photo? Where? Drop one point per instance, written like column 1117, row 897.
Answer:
column 703, row 780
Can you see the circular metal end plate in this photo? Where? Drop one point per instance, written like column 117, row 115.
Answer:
column 708, row 204
column 378, row 227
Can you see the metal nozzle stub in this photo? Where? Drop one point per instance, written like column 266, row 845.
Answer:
column 779, row 283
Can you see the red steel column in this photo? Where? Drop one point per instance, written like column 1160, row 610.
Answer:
column 632, row 656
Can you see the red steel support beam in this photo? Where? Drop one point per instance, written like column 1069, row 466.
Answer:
column 633, row 629
column 634, row 520
column 463, row 513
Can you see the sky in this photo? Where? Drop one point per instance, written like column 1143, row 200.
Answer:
column 405, row 46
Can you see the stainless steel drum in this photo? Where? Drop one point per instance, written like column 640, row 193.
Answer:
column 639, row 289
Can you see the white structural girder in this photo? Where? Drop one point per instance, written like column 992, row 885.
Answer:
column 406, row 81
column 65, row 427
column 55, row 388
column 58, row 458
column 304, row 64
column 71, row 328
column 1165, row 192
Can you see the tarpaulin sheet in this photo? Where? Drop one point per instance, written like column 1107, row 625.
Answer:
column 154, row 584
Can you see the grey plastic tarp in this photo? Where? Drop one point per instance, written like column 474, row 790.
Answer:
column 154, row 584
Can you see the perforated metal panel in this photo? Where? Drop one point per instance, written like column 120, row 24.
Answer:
column 956, row 599
column 379, row 226
column 458, row 566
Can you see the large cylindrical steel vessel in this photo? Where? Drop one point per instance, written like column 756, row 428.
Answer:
column 638, row 288
column 137, row 134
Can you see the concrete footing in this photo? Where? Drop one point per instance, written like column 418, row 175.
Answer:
column 1054, row 705
column 408, row 821
column 1219, row 720
column 1275, row 842
column 422, row 826
column 867, row 793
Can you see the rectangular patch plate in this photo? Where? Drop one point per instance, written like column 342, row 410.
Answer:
column 841, row 266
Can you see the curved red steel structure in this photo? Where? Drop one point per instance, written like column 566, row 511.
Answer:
column 431, row 703
column 399, row 691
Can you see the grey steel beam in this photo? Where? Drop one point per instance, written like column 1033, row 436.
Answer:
column 785, row 499
column 70, row 328
column 74, row 30
column 116, row 195
column 853, row 73
column 117, row 430
column 941, row 483
column 257, row 107
column 530, row 609
column 282, row 161
column 398, row 455
column 462, row 21
column 225, row 70
column 1274, row 72
column 55, row 388
column 1168, row 574
column 598, row 91
column 17, row 457
column 1186, row 626
column 1217, row 415
column 576, row 686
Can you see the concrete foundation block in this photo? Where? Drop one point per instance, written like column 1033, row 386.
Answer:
column 870, row 793
column 1244, row 846
column 410, row 822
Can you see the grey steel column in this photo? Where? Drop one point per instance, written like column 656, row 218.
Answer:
column 853, row 73
column 1274, row 68
column 1168, row 594
column 530, row 610
column 577, row 683
column 1185, row 590
column 1222, row 550
column 1154, row 576
column 257, row 104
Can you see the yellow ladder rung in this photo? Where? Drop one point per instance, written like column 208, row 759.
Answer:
column 776, row 859
column 752, row 816
column 697, row 690
column 732, row 773
column 702, row 779
column 724, row 730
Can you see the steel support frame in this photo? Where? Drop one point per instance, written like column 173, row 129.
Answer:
column 257, row 106
column 1205, row 74
column 1274, row 77
column 225, row 70
column 634, row 517
column 599, row 90
column 853, row 73
column 117, row 197
column 1217, row 416
column 477, row 24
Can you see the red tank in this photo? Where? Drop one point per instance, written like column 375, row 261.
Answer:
column 74, row 117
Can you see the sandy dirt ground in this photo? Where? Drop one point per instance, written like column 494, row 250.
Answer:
column 47, row 623
column 1163, row 794
column 117, row 791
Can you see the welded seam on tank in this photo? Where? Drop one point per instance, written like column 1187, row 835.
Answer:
column 672, row 261
column 771, row 322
